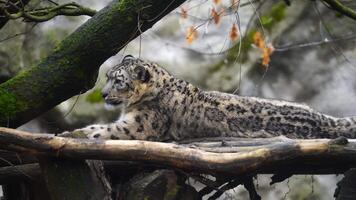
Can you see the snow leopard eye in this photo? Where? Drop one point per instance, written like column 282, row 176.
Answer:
column 119, row 84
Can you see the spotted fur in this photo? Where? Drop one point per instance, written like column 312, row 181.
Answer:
column 157, row 106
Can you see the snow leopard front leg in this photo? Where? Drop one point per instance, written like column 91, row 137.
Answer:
column 131, row 126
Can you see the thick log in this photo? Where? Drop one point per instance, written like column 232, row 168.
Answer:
column 223, row 158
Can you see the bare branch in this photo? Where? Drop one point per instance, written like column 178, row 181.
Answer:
column 47, row 13
column 234, row 157
column 341, row 8
column 10, row 9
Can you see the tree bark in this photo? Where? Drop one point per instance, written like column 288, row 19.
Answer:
column 72, row 67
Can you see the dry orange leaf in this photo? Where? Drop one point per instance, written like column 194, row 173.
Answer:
column 215, row 15
column 234, row 4
column 267, row 51
column 258, row 40
column 191, row 35
column 234, row 34
column 265, row 57
column 266, row 54
column 183, row 13
column 216, row 2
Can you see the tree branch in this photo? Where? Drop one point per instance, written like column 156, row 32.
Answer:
column 45, row 14
column 233, row 161
column 11, row 9
column 341, row 8
column 236, row 157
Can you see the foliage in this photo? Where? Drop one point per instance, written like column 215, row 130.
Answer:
column 276, row 14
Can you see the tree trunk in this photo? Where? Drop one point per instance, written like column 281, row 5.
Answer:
column 74, row 179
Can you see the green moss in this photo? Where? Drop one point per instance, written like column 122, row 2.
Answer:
column 78, row 134
column 22, row 79
column 10, row 105
column 94, row 97
column 124, row 4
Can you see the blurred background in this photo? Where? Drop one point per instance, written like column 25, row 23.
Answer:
column 298, row 51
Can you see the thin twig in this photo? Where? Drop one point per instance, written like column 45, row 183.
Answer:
column 341, row 8
column 47, row 13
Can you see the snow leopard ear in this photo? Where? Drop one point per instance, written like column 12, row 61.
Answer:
column 141, row 73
